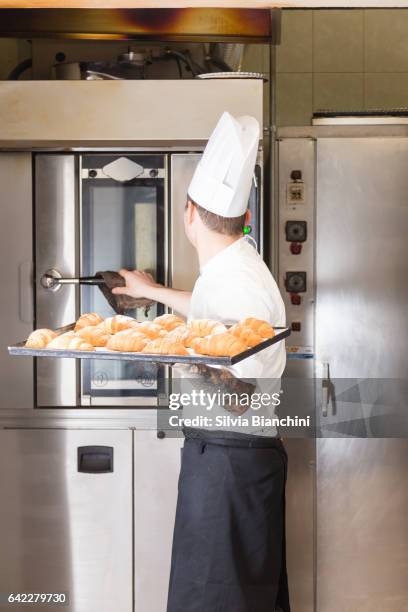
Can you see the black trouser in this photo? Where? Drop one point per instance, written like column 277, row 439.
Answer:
column 229, row 536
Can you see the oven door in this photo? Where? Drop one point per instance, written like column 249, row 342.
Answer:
column 96, row 212
column 123, row 224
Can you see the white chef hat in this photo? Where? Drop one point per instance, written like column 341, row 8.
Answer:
column 223, row 177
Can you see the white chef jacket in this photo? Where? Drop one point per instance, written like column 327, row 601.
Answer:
column 233, row 285
column 236, row 284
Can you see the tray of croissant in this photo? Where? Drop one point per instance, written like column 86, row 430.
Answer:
column 167, row 339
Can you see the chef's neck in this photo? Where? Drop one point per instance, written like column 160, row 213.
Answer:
column 209, row 244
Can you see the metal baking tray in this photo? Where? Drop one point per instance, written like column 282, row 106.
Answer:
column 102, row 353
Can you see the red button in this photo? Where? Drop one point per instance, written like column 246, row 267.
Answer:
column 295, row 248
column 296, row 299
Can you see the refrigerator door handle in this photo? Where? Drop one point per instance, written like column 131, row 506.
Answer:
column 325, row 388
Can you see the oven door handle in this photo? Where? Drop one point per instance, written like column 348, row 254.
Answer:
column 83, row 280
column 52, row 279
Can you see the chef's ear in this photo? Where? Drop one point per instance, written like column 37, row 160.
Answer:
column 248, row 216
column 190, row 211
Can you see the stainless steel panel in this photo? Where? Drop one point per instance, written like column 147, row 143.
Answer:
column 157, row 466
column 55, row 240
column 182, row 276
column 300, row 534
column 182, row 169
column 84, row 113
column 62, row 530
column 362, row 528
column 343, row 131
column 361, row 317
column 16, row 376
column 298, row 154
column 361, row 264
column 362, row 256
column 361, row 120
column 122, row 417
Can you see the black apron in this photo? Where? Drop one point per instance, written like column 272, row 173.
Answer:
column 229, row 536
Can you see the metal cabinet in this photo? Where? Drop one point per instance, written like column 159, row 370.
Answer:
column 156, row 469
column 361, row 318
column 361, row 256
column 63, row 529
column 349, row 193
column 300, row 528
column 362, row 528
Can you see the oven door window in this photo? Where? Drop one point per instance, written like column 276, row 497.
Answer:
column 122, row 226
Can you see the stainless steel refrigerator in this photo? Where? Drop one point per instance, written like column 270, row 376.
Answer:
column 343, row 271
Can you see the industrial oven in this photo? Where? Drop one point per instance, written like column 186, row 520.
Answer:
column 116, row 205
column 88, row 484
column 107, row 211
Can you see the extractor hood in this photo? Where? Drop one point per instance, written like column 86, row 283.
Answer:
column 169, row 24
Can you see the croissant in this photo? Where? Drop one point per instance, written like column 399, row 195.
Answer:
column 205, row 327
column 128, row 340
column 94, row 334
column 168, row 321
column 260, row 327
column 219, row 345
column 182, row 334
column 246, row 334
column 150, row 329
column 114, row 324
column 165, row 346
column 70, row 341
column 40, row 338
column 90, row 318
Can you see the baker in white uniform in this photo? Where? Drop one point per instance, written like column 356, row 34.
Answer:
column 229, row 540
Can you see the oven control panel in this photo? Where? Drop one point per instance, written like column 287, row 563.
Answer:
column 296, row 244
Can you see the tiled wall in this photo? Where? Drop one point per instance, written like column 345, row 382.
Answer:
column 341, row 59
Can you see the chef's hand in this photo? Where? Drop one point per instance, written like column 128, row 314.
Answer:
column 139, row 284
column 142, row 285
